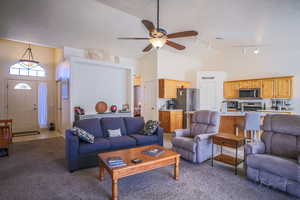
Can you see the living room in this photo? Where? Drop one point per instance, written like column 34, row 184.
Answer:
column 149, row 99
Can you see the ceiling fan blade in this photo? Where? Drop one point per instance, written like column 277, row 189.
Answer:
column 175, row 45
column 183, row 34
column 132, row 38
column 149, row 25
column 148, row 48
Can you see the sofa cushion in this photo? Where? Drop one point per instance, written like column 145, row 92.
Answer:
column 283, row 167
column 99, row 145
column 83, row 135
column 114, row 133
column 150, row 128
column 113, row 123
column 134, row 124
column 205, row 121
column 286, row 124
column 122, row 142
column 186, row 143
column 142, row 140
column 90, row 125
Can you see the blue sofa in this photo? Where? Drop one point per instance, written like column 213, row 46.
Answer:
column 80, row 154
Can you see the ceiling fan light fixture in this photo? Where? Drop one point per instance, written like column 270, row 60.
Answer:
column 256, row 51
column 158, row 42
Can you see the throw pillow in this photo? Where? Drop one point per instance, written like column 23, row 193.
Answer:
column 114, row 133
column 150, row 127
column 83, row 135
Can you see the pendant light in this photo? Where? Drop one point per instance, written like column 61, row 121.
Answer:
column 27, row 58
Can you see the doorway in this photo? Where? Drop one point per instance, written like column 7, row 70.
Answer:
column 27, row 106
column 150, row 96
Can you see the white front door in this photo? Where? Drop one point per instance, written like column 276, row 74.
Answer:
column 208, row 95
column 149, row 110
column 22, row 105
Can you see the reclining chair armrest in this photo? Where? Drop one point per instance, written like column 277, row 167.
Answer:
column 202, row 137
column 181, row 132
column 255, row 148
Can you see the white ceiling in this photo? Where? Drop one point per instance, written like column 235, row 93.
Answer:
column 97, row 23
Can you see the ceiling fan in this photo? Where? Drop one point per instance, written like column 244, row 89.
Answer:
column 159, row 36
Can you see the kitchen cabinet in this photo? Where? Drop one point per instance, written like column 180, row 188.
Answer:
column 273, row 87
column 231, row 90
column 283, row 88
column 245, row 84
column 267, row 91
column 168, row 88
column 171, row 120
column 256, row 83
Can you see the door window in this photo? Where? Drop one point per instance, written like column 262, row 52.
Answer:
column 22, row 86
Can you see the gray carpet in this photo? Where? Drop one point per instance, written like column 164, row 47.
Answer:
column 36, row 171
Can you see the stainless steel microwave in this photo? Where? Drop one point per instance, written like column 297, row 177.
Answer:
column 253, row 93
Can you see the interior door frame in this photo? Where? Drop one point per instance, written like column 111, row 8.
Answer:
column 22, row 79
column 58, row 108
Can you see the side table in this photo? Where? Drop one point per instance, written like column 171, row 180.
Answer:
column 228, row 140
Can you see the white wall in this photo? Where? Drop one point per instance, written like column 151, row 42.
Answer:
column 93, row 81
column 164, row 64
column 270, row 62
column 177, row 66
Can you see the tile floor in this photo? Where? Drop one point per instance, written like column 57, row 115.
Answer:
column 45, row 134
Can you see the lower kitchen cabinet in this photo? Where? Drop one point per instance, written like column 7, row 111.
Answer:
column 171, row 120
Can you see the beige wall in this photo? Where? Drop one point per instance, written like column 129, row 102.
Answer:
column 177, row 66
column 10, row 53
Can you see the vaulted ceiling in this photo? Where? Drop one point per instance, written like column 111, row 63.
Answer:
column 97, row 23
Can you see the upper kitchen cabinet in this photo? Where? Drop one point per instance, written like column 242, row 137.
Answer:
column 283, row 88
column 231, row 89
column 168, row 88
column 250, row 84
column 256, row 83
column 245, row 84
column 268, row 88
column 273, row 87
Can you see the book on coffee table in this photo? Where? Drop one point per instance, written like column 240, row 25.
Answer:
column 115, row 162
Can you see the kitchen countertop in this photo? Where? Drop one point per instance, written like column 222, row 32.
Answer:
column 240, row 114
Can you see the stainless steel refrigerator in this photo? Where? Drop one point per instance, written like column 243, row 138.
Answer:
column 188, row 99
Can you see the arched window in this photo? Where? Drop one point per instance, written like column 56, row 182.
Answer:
column 22, row 86
column 27, row 69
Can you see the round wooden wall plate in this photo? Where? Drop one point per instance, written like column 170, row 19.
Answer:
column 101, row 107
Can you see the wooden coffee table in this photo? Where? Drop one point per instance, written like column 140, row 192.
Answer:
column 149, row 162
